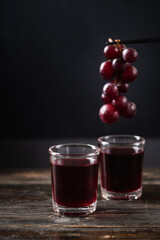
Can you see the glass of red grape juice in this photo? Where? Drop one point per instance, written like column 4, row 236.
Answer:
column 121, row 166
column 74, row 176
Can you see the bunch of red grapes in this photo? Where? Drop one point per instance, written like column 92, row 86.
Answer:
column 121, row 73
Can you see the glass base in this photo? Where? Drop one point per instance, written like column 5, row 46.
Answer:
column 121, row 196
column 74, row 211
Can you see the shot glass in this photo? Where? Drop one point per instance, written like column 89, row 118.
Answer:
column 121, row 166
column 74, row 175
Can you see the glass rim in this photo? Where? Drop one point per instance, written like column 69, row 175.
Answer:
column 94, row 148
column 138, row 140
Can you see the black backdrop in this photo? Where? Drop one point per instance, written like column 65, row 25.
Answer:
column 51, row 52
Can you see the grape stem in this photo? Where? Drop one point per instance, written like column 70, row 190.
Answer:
column 116, row 79
column 117, row 41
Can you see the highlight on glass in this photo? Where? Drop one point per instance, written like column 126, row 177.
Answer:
column 74, row 175
column 121, row 166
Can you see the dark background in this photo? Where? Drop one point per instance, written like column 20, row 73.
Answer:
column 50, row 83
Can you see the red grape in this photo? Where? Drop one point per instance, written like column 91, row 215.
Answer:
column 122, row 46
column 124, row 66
column 119, row 65
column 110, row 90
column 108, row 113
column 129, row 75
column 129, row 111
column 120, row 103
column 106, row 99
column 123, row 87
column 106, row 70
column 111, row 51
column 129, row 55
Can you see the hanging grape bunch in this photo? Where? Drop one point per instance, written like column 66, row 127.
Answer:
column 121, row 73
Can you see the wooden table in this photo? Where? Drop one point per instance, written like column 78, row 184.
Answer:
column 26, row 211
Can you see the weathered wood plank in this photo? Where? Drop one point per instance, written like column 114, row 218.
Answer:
column 26, row 211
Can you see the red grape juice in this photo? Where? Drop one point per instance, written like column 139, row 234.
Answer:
column 74, row 182
column 121, row 169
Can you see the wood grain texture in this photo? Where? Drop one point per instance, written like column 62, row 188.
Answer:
column 26, row 211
